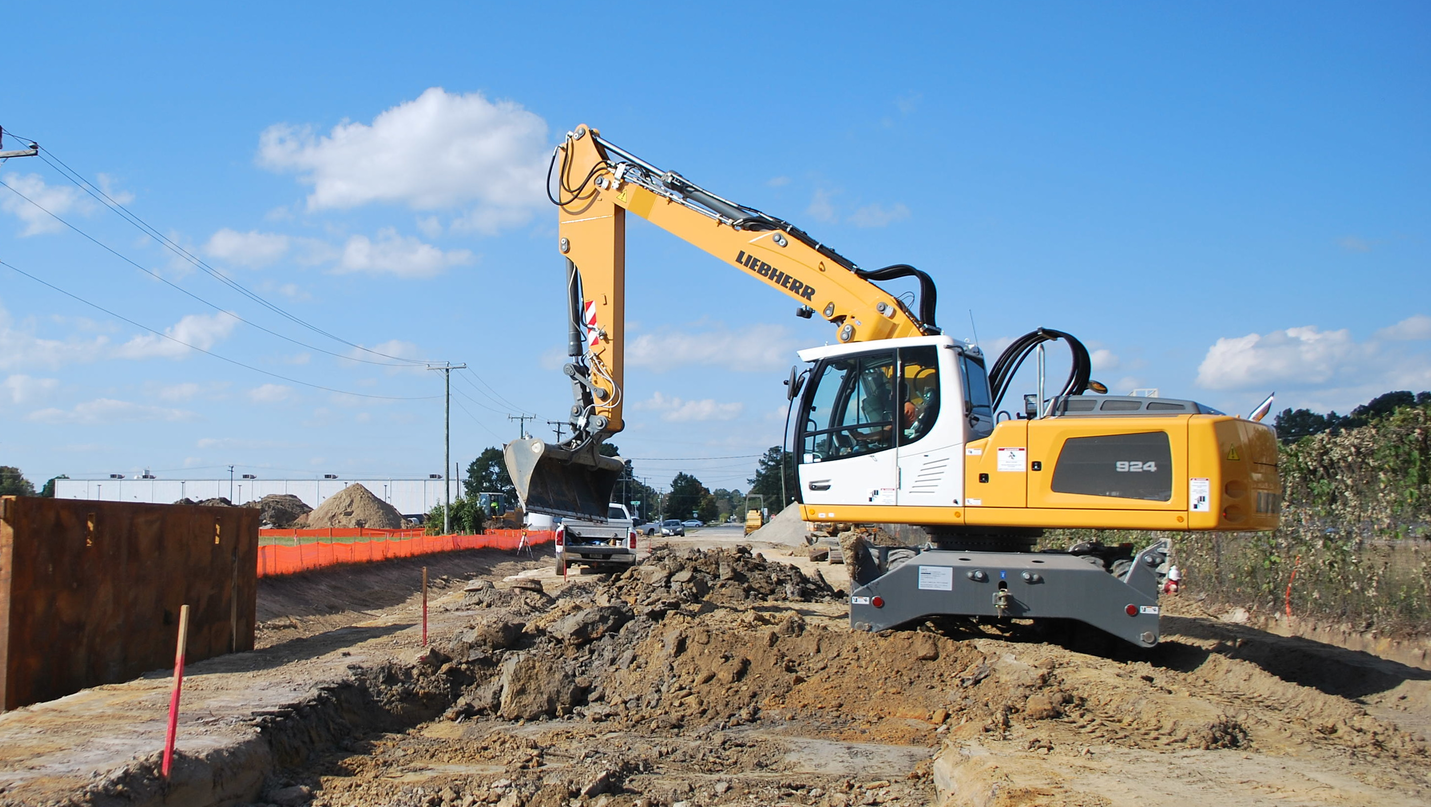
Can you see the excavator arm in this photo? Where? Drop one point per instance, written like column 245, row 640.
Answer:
column 595, row 184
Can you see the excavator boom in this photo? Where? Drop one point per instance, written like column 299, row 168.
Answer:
column 594, row 185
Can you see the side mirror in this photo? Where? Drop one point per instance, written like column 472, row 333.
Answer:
column 794, row 383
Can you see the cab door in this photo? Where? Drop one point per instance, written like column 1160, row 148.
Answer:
column 847, row 431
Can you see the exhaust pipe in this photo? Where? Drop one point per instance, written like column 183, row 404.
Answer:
column 561, row 481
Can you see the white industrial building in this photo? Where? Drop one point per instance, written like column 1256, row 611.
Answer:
column 411, row 497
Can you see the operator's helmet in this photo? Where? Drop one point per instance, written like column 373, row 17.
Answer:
column 1175, row 575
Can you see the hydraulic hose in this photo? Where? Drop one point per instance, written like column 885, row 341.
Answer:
column 1008, row 363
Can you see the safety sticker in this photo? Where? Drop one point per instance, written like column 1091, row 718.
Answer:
column 882, row 496
column 859, row 601
column 1013, row 460
column 1148, row 609
column 974, row 452
column 974, row 502
column 1200, row 495
column 936, row 578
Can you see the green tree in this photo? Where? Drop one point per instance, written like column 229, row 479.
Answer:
column 708, row 511
column 48, row 491
column 488, row 473
column 14, row 483
column 467, row 518
column 767, row 481
column 1294, row 425
column 687, row 494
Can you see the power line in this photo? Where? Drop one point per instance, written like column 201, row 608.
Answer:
column 134, row 220
column 234, row 362
column 188, row 293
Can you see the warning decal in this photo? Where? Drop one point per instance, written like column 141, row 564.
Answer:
column 1013, row 460
column 1200, row 495
column 936, row 578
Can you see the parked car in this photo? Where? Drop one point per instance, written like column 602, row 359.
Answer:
column 691, row 522
column 672, row 526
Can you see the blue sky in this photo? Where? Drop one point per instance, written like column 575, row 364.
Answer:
column 1219, row 199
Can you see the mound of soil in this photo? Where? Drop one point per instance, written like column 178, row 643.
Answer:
column 785, row 528
column 282, row 511
column 219, row 502
column 670, row 577
column 355, row 506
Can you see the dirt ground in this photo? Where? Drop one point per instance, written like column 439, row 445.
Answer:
column 717, row 675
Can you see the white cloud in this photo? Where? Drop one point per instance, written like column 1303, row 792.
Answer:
column 1103, row 360
column 822, row 206
column 393, row 254
column 252, row 248
column 680, row 410
column 878, row 216
column 1414, row 328
column 20, row 347
column 108, row 188
column 1353, row 244
column 270, row 393
column 759, row 348
column 430, row 226
column 178, row 392
column 778, row 182
column 439, row 151
column 59, row 200
column 197, row 330
column 22, row 390
column 491, row 220
column 1303, row 355
column 1316, row 369
column 388, row 352
column 105, row 411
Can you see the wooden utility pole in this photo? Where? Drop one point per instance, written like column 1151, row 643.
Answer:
column 29, row 152
column 447, row 368
column 522, row 426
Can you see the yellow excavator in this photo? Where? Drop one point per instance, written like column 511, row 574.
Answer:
column 897, row 422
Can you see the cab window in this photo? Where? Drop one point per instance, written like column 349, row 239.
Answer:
column 851, row 409
column 978, row 402
column 918, row 392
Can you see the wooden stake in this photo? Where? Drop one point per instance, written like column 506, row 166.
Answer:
column 178, row 685
column 424, row 606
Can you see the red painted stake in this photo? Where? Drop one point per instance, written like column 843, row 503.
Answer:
column 1296, row 565
column 424, row 606
column 178, row 685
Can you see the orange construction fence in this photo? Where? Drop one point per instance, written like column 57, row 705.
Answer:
column 341, row 532
column 276, row 560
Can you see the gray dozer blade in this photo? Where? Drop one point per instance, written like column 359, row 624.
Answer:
column 561, row 482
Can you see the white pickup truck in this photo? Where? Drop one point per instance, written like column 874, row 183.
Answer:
column 611, row 543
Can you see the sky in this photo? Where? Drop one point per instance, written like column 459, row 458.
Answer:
column 320, row 200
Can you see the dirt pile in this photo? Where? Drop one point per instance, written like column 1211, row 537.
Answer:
column 356, row 506
column 730, row 577
column 218, row 502
column 282, row 511
column 785, row 528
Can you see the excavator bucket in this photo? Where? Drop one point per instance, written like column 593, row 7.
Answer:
column 562, row 482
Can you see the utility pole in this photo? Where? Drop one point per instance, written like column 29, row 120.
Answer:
column 447, row 368
column 559, row 426
column 522, row 423
column 231, row 483
column 29, row 152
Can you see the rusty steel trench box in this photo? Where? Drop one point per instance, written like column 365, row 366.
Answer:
column 90, row 591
